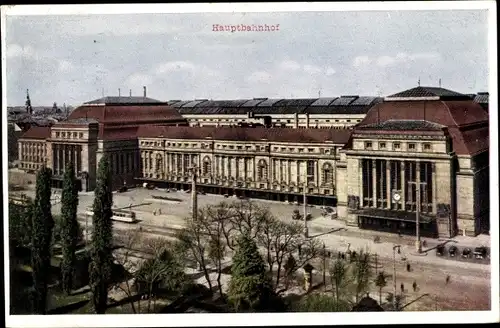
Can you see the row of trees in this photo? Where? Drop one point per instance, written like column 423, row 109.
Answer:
column 34, row 226
column 264, row 252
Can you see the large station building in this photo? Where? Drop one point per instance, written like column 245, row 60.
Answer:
column 427, row 145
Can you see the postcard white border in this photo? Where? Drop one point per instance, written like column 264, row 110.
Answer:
column 292, row 319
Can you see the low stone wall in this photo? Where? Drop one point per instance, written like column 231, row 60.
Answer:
column 21, row 178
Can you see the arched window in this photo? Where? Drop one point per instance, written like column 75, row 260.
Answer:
column 327, row 173
column 262, row 170
column 159, row 163
column 207, row 166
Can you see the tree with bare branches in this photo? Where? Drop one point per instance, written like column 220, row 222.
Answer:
column 126, row 259
column 193, row 242
column 362, row 273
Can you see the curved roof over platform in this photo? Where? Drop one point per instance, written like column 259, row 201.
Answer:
column 326, row 105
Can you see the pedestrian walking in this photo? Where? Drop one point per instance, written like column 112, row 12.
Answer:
column 414, row 286
column 402, row 288
column 343, row 256
column 408, row 268
column 447, row 279
column 339, row 255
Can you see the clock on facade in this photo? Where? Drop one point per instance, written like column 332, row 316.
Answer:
column 396, row 195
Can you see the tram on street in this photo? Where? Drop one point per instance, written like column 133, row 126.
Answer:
column 118, row 215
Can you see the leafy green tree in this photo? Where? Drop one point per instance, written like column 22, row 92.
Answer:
column 42, row 223
column 101, row 244
column 341, row 280
column 250, row 288
column 164, row 271
column 69, row 226
column 20, row 224
column 321, row 303
column 380, row 282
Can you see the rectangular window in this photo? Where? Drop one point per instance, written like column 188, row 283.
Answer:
column 310, row 171
column 412, row 146
column 367, row 177
column 427, row 146
column 382, row 145
column 410, row 192
column 368, row 145
column 381, row 183
column 397, row 145
column 311, row 150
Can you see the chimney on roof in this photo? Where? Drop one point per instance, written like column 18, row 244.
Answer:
column 144, row 87
column 119, row 92
column 440, row 83
column 130, row 92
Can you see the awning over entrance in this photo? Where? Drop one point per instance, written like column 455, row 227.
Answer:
column 395, row 215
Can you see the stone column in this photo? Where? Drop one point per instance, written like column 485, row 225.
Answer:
column 434, row 189
column 253, row 169
column 418, row 186
column 288, row 171
column 297, row 169
column 143, row 161
column 316, row 173
column 403, row 183
column 361, row 181
column 388, row 182
column 65, row 158
column 374, row 181
column 79, row 159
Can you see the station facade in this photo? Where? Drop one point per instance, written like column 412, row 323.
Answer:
column 424, row 148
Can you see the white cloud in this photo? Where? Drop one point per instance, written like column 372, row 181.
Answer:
column 260, row 77
column 15, row 50
column 361, row 61
column 403, row 57
column 385, row 61
column 330, row 71
column 175, row 66
column 65, row 66
column 312, row 69
column 137, row 80
column 289, row 65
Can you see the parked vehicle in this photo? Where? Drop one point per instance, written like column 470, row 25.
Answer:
column 123, row 189
column 480, row 252
column 453, row 251
column 440, row 250
column 466, row 253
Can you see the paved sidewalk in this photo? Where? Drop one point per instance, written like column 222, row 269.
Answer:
column 323, row 224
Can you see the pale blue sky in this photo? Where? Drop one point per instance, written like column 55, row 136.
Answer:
column 178, row 56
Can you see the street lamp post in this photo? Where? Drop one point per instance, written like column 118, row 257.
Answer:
column 398, row 247
column 306, row 229
column 418, row 242
column 194, row 195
